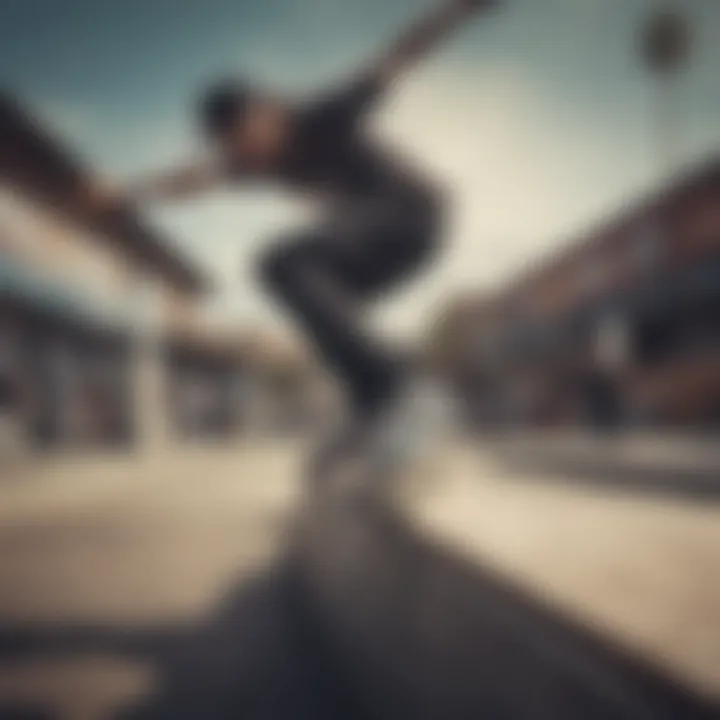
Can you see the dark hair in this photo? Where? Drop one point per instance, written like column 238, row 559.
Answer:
column 223, row 106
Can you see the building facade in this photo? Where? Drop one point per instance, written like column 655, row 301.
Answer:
column 99, row 319
column 623, row 325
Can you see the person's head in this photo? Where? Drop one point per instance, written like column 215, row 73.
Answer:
column 244, row 123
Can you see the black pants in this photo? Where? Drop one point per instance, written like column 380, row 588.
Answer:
column 326, row 277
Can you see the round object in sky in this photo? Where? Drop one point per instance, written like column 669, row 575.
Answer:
column 666, row 41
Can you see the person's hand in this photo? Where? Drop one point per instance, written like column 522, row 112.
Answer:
column 96, row 199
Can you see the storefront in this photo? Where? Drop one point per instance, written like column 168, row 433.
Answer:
column 70, row 370
column 82, row 301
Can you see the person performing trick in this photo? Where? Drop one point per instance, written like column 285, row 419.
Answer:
column 382, row 222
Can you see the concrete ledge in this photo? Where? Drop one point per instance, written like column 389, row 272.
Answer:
column 677, row 466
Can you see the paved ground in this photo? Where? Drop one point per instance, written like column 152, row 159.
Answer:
column 105, row 555
column 616, row 537
column 207, row 583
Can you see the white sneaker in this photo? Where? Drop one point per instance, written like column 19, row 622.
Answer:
column 401, row 443
column 408, row 434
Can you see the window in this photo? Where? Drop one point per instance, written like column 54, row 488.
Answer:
column 647, row 246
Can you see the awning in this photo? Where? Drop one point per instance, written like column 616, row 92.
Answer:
column 54, row 298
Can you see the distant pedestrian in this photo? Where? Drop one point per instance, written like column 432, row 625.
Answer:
column 11, row 434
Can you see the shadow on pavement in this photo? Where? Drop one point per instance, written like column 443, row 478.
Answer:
column 364, row 619
column 257, row 657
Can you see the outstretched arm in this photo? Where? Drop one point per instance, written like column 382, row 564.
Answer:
column 412, row 45
column 171, row 185
column 176, row 184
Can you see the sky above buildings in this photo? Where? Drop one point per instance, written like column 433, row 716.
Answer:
column 538, row 119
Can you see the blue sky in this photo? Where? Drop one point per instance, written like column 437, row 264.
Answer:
column 539, row 120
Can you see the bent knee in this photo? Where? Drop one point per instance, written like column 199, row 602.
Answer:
column 281, row 267
column 275, row 266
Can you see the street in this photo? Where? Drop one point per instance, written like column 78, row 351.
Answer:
column 210, row 583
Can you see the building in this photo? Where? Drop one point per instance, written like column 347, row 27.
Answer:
column 623, row 324
column 100, row 320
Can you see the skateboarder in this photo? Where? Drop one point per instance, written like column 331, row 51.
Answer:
column 382, row 221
